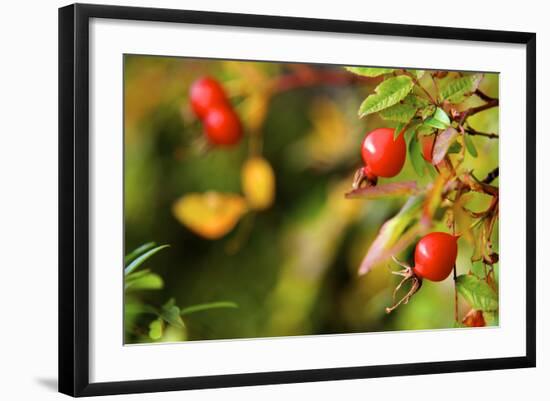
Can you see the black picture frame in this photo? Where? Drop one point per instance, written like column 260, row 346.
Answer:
column 74, row 198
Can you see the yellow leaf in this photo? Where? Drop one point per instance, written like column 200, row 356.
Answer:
column 210, row 215
column 258, row 181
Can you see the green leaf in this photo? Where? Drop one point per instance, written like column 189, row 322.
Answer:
column 410, row 132
column 138, row 251
column 470, row 147
column 415, row 152
column 442, row 144
column 391, row 91
column 142, row 258
column 401, row 112
column 397, row 130
column 155, row 329
column 150, row 281
column 416, row 101
column 369, row 71
column 456, row 90
column 477, row 293
column 454, row 148
column 208, row 306
column 171, row 314
column 439, row 120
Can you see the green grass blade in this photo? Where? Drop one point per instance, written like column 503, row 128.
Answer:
column 142, row 258
column 207, row 306
column 138, row 251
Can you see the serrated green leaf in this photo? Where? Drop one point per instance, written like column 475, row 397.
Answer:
column 391, row 91
column 416, row 101
column 208, row 306
column 415, row 153
column 470, row 147
column 477, row 293
column 138, row 251
column 155, row 329
column 369, row 71
column 149, row 281
column 456, row 90
column 142, row 258
column 425, row 130
column 401, row 112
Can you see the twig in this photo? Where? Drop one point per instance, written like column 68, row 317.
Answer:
column 484, row 96
column 461, row 117
column 493, row 174
column 472, row 131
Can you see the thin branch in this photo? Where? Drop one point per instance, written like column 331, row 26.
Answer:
column 461, row 117
column 484, row 96
column 493, row 174
column 473, row 131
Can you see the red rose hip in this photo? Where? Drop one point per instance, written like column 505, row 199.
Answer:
column 384, row 155
column 435, row 256
column 222, row 126
column 428, row 148
column 206, row 93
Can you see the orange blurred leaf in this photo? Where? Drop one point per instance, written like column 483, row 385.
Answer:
column 258, row 181
column 210, row 215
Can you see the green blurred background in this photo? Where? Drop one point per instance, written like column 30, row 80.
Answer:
column 291, row 269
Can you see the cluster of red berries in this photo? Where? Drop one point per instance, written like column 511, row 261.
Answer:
column 210, row 104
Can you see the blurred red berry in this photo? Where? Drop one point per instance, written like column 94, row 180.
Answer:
column 222, row 126
column 206, row 93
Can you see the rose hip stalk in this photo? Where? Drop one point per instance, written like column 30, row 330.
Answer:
column 434, row 260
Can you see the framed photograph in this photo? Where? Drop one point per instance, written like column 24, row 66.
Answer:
column 250, row 199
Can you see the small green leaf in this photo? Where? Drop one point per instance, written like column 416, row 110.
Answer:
column 369, row 71
column 391, row 91
column 150, row 281
column 477, row 293
column 454, row 148
column 171, row 314
column 397, row 130
column 138, row 251
column 155, row 329
column 470, row 147
column 142, row 258
column 401, row 112
column 456, row 90
column 208, row 306
column 410, row 132
column 439, row 120
column 415, row 152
